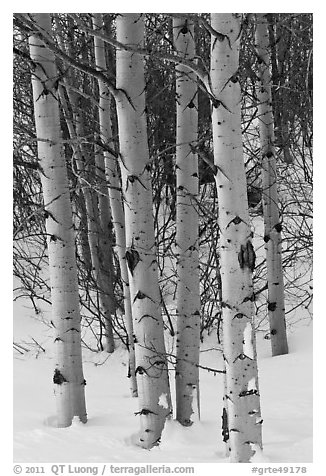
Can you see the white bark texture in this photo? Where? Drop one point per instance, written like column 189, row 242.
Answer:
column 98, row 218
column 151, row 371
column 68, row 378
column 273, row 227
column 94, row 228
column 81, row 223
column 188, row 293
column 105, row 240
column 112, row 177
column 95, row 208
column 241, row 414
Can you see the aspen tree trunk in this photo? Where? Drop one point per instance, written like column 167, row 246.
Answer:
column 96, row 211
column 93, row 219
column 105, row 239
column 82, row 241
column 273, row 227
column 97, row 214
column 188, row 294
column 112, row 177
column 68, row 378
column 241, row 414
column 152, row 374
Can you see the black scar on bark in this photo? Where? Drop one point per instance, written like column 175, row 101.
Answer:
column 242, row 356
column 140, row 370
column 141, row 295
column 236, row 220
column 235, row 78
column 267, row 238
column 278, row 227
column 159, row 362
column 249, row 298
column 239, row 316
column 132, row 258
column 272, row 306
column 58, row 378
column 273, row 332
column 145, row 411
column 225, row 428
column 247, row 256
column 246, row 393
column 47, row 214
column 132, row 178
column 184, row 30
column 147, row 315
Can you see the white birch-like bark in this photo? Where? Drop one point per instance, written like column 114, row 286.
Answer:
column 242, row 421
column 94, row 219
column 273, row 227
column 100, row 264
column 105, row 251
column 68, row 378
column 112, row 177
column 188, row 293
column 152, row 374
column 97, row 215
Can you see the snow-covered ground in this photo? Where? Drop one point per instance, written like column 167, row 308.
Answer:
column 286, row 393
